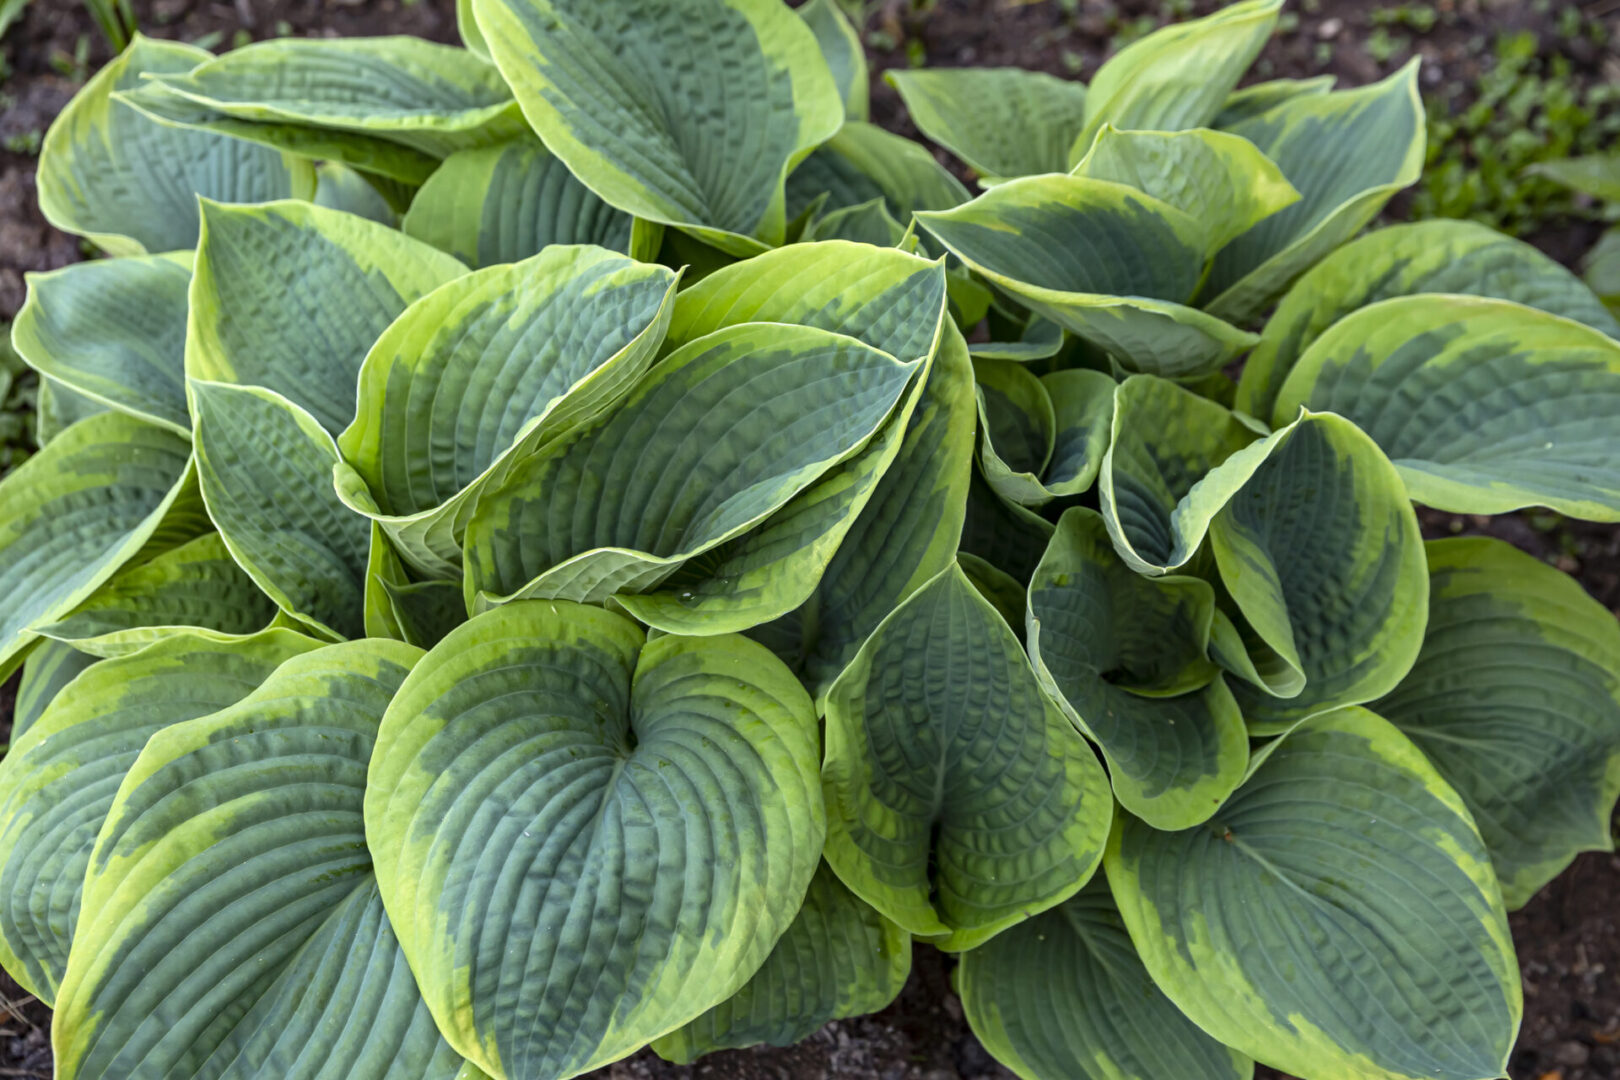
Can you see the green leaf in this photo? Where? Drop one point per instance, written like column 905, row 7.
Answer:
column 445, row 413
column 263, row 299
column 266, row 472
column 1009, row 537
column 341, row 188
column 1156, row 488
column 130, row 184
column 58, row 781
column 864, row 162
column 50, row 666
column 1426, row 257
column 1595, row 175
column 502, row 204
column 1516, row 699
column 1039, row 339
column 1484, row 405
column 612, row 89
column 1179, row 76
column 1065, row 997
column 58, row 408
column 959, row 800
column 643, row 815
column 1347, row 153
column 842, row 49
column 838, row 958
column 1221, row 181
column 909, row 530
column 1053, row 242
column 1126, row 658
column 1003, row 122
column 115, row 331
column 432, row 98
column 420, row 612
column 1005, row 593
column 1600, row 269
column 1402, row 969
column 76, row 512
column 720, row 436
column 232, row 926
column 1255, row 99
column 1044, row 437
column 196, row 589
column 867, row 223
column 1321, row 554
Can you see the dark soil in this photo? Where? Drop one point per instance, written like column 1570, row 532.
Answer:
column 1568, row 936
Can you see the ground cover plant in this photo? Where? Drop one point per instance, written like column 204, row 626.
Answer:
column 540, row 555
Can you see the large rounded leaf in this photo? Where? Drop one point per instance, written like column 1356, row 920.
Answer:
column 959, row 800
column 1404, row 260
column 266, row 472
column 131, row 184
column 231, row 925
column 77, row 511
column 1127, row 658
column 501, row 204
column 59, row 778
column 1003, row 122
column 484, row 370
column 643, row 816
column 838, row 958
column 1338, row 919
column 290, row 296
column 115, row 330
column 1516, row 699
column 1484, row 405
column 612, row 88
column 1065, row 997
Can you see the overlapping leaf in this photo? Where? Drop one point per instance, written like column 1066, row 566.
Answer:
column 844, row 52
column 1003, row 122
column 50, row 666
column 1044, row 437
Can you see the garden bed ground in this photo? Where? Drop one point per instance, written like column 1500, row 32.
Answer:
column 1568, row 936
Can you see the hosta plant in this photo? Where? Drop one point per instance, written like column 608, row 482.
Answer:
column 581, row 542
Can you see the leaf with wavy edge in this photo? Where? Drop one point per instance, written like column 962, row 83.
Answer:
column 232, row 927
column 262, row 299
column 1002, row 122
column 1043, row 437
column 650, row 838
column 115, row 331
column 1065, row 997
column 1484, row 405
column 705, row 146
column 1249, row 924
column 1515, row 697
column 1126, row 658
column 129, row 184
column 959, row 800
column 58, row 781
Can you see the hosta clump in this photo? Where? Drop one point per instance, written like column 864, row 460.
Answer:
column 581, row 541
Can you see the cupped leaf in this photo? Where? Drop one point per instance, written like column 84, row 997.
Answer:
column 842, row 49
column 1347, row 153
column 130, row 184
column 1484, row 405
column 719, row 436
column 1221, row 181
column 77, row 511
column 1018, row 430
column 1252, row 927
column 1112, row 264
column 266, row 472
column 959, row 800
column 1179, row 76
column 115, row 331
column 867, row 223
column 1255, row 99
column 231, row 925
column 432, row 98
column 1159, row 491
column 482, row 372
column 864, row 162
column 1516, row 699
column 838, row 958
column 502, row 204
column 643, row 815
column 1065, row 997
column 398, row 607
column 1460, row 257
column 290, row 296
column 1038, row 339
column 58, row 781
column 1320, row 552
column 1003, row 122
column 1127, row 658
column 196, row 589
column 50, row 666
column 339, row 187
column 612, row 89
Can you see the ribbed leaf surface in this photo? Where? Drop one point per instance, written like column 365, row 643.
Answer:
column 1003, row 122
